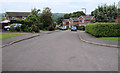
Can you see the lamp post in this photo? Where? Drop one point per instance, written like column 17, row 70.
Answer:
column 84, row 9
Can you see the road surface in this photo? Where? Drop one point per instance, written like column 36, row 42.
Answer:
column 59, row 51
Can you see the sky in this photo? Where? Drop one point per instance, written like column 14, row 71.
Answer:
column 57, row 6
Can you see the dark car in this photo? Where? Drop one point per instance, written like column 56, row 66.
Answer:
column 74, row 29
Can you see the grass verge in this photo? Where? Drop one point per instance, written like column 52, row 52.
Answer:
column 111, row 38
column 4, row 36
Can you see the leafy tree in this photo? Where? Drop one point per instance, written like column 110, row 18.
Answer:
column 74, row 14
column 67, row 16
column 105, row 13
column 2, row 19
column 59, row 20
column 46, row 17
column 32, row 22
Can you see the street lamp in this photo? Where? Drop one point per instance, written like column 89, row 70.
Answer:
column 84, row 9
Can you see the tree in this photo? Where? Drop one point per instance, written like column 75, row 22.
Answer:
column 59, row 20
column 74, row 14
column 67, row 16
column 105, row 13
column 33, row 17
column 32, row 22
column 46, row 17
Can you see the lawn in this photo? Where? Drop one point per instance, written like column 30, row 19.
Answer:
column 111, row 38
column 4, row 36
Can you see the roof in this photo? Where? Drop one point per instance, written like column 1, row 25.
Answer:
column 88, row 17
column 65, row 20
column 18, row 13
column 5, row 21
column 74, row 19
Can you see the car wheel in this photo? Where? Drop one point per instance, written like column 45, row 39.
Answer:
column 8, row 29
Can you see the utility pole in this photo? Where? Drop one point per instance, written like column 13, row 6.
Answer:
column 84, row 9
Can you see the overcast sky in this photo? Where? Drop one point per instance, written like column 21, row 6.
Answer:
column 57, row 6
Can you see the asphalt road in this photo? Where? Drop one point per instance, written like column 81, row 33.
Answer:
column 59, row 51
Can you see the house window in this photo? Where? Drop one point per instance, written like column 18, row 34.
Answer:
column 80, row 20
column 13, row 17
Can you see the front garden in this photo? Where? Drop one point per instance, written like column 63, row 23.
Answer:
column 5, row 36
column 109, row 31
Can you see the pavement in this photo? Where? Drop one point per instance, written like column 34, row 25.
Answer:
column 26, row 36
column 58, row 51
column 91, row 39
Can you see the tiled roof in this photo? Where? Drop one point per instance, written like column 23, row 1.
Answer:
column 88, row 17
column 17, row 13
column 65, row 20
column 74, row 19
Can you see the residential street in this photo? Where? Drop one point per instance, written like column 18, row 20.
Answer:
column 58, row 51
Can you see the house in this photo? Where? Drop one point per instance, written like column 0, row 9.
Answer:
column 117, row 19
column 65, row 23
column 82, row 20
column 16, row 15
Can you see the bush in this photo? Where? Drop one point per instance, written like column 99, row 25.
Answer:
column 103, row 29
column 81, row 27
column 45, row 29
column 29, row 29
column 35, row 28
column 40, row 25
column 23, row 26
column 51, row 28
column 16, row 21
column 17, row 28
column 12, row 29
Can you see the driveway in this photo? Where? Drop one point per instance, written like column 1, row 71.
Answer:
column 59, row 51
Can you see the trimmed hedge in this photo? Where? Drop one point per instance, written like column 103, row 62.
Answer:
column 81, row 27
column 103, row 29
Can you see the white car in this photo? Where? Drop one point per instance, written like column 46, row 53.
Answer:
column 14, row 24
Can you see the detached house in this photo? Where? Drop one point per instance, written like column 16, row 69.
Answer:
column 82, row 20
column 117, row 19
column 16, row 15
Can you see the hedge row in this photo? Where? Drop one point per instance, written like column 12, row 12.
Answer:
column 103, row 29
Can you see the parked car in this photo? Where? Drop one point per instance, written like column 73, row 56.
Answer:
column 74, row 29
column 14, row 24
column 62, row 28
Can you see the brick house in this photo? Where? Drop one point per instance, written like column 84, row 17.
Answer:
column 82, row 20
column 117, row 19
column 16, row 15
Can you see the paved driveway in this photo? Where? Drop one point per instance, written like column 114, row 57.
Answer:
column 59, row 51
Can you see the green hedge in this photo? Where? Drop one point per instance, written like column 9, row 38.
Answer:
column 81, row 27
column 103, row 29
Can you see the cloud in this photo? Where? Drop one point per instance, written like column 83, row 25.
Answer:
column 64, row 6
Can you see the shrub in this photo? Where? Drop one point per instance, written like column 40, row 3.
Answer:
column 29, row 29
column 23, row 26
column 81, row 27
column 17, row 28
column 35, row 28
column 103, row 29
column 12, row 29
column 40, row 25
column 46, row 29
column 51, row 28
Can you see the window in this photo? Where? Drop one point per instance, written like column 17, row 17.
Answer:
column 13, row 17
column 80, row 20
